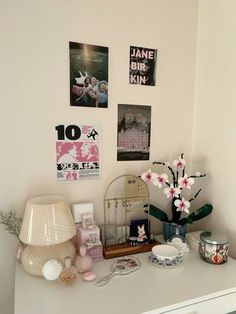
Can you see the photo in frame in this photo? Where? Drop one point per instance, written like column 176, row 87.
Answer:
column 140, row 229
column 88, row 75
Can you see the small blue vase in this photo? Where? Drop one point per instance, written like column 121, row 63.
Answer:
column 170, row 229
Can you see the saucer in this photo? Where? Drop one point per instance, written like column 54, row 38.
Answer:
column 166, row 263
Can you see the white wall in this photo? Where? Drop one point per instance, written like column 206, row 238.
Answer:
column 35, row 95
column 215, row 111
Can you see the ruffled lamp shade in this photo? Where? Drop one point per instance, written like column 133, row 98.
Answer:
column 46, row 228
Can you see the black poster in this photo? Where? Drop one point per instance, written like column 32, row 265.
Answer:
column 142, row 66
column 88, row 75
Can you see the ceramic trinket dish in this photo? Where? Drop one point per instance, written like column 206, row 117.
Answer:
column 181, row 246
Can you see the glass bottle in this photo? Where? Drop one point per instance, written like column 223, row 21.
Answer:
column 83, row 262
column 19, row 252
column 69, row 273
column 177, row 237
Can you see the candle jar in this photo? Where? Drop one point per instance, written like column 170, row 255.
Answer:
column 83, row 262
column 213, row 247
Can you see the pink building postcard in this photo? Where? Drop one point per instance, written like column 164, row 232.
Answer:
column 134, row 132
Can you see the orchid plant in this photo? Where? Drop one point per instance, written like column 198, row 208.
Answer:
column 173, row 189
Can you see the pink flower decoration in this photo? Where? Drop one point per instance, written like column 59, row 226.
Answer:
column 179, row 164
column 185, row 182
column 217, row 259
column 182, row 205
column 172, row 192
column 161, row 180
column 149, row 176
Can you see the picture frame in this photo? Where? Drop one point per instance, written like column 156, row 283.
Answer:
column 140, row 229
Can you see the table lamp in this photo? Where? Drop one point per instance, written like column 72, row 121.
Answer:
column 47, row 227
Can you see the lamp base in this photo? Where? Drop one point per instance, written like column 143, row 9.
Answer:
column 34, row 257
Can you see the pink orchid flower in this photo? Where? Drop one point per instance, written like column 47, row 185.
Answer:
column 185, row 182
column 182, row 205
column 172, row 192
column 149, row 176
column 179, row 164
column 161, row 180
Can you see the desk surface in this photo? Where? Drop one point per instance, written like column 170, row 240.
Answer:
column 149, row 288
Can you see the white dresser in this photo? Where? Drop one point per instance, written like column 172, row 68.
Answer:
column 193, row 287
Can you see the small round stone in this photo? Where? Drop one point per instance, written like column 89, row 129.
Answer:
column 52, row 269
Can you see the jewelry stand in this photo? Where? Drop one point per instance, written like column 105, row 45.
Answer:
column 126, row 212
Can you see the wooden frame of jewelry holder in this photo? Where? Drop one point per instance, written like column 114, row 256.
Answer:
column 135, row 192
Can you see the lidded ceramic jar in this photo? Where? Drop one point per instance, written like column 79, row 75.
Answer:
column 213, row 247
column 83, row 262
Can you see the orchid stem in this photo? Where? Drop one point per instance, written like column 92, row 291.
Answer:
column 200, row 176
column 193, row 198
column 171, row 170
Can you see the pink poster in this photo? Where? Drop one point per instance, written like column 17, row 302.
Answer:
column 78, row 152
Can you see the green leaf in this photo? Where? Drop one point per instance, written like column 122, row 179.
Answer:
column 158, row 213
column 200, row 213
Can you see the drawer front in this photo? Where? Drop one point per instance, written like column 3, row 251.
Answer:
column 225, row 304
column 220, row 305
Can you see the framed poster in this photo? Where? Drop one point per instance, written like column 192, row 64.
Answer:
column 133, row 132
column 77, row 151
column 88, row 75
column 142, row 66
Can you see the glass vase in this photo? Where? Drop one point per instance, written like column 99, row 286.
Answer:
column 170, row 229
column 19, row 252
